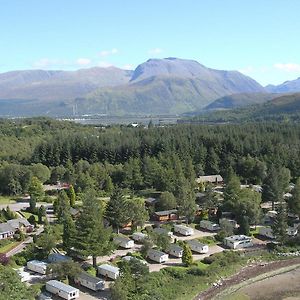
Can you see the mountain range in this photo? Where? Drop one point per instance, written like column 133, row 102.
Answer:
column 157, row 86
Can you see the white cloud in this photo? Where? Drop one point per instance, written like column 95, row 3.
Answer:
column 105, row 64
column 83, row 61
column 288, row 67
column 104, row 53
column 155, row 51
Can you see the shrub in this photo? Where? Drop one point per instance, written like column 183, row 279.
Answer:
column 196, row 271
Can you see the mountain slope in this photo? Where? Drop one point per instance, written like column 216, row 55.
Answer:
column 292, row 86
column 240, row 100
column 283, row 108
column 158, row 86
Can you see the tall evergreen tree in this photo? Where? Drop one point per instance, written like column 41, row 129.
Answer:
column 294, row 201
column 72, row 196
column 279, row 226
column 69, row 233
column 187, row 256
column 62, row 206
column 118, row 211
column 92, row 238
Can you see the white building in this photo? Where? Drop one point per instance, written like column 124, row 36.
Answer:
column 175, row 250
column 57, row 257
column 123, row 242
column 208, row 225
column 37, row 266
column 196, row 246
column 238, row 241
column 139, row 236
column 91, row 282
column 157, row 256
column 184, row 230
column 62, row 290
column 161, row 230
column 216, row 179
column 109, row 271
column 6, row 231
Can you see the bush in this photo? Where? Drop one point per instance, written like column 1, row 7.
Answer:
column 177, row 273
column 196, row 271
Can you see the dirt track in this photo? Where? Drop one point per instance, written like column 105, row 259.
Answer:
column 245, row 274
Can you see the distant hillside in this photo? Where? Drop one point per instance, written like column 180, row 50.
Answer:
column 240, row 100
column 158, row 86
column 283, row 108
column 292, row 86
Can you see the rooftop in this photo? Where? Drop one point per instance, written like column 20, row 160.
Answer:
column 62, row 286
column 235, row 238
column 109, row 268
column 156, row 252
column 89, row 278
column 196, row 243
column 166, row 212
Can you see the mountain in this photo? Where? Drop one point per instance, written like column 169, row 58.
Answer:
column 240, row 100
column 292, row 86
column 283, row 108
column 158, row 86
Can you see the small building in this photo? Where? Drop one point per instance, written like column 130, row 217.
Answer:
column 139, row 236
column 157, row 256
column 57, row 257
column 62, row 290
column 175, row 250
column 20, row 224
column 129, row 258
column 91, row 282
column 215, row 179
column 150, row 201
column 238, row 241
column 208, row 225
column 184, row 230
column 228, row 222
column 37, row 266
column 267, row 232
column 123, row 242
column 109, row 271
column 160, row 230
column 196, row 246
column 166, row 215
column 6, row 231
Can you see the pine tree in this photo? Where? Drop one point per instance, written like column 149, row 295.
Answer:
column 91, row 236
column 187, row 256
column 62, row 206
column 118, row 211
column 232, row 191
column 244, row 225
column 279, row 226
column 294, row 201
column 69, row 233
column 72, row 196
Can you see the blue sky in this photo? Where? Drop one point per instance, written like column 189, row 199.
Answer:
column 259, row 38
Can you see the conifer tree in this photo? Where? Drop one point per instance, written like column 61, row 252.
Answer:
column 187, row 256
column 279, row 226
column 72, row 196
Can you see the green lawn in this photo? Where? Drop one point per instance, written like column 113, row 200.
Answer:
column 28, row 214
column 7, row 200
column 209, row 240
column 7, row 245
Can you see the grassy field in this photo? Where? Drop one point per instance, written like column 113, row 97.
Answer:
column 7, row 200
column 28, row 214
column 7, row 245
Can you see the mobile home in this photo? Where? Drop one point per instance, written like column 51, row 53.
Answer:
column 91, row 282
column 157, row 256
column 229, row 222
column 267, row 232
column 62, row 290
column 196, row 246
column 208, row 225
column 161, row 230
column 139, row 236
column 184, row 230
column 175, row 250
column 129, row 258
column 57, row 257
column 238, row 241
column 109, row 271
column 37, row 266
column 123, row 242
column 166, row 215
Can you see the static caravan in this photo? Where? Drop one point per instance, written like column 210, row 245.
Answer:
column 166, row 215
column 184, row 230
column 109, row 271
column 129, row 258
column 196, row 246
column 161, row 230
column 267, row 232
column 238, row 241
column 91, row 282
column 57, row 257
column 157, row 256
column 123, row 242
column 228, row 222
column 208, row 225
column 37, row 266
column 62, row 290
column 175, row 250
column 139, row 236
